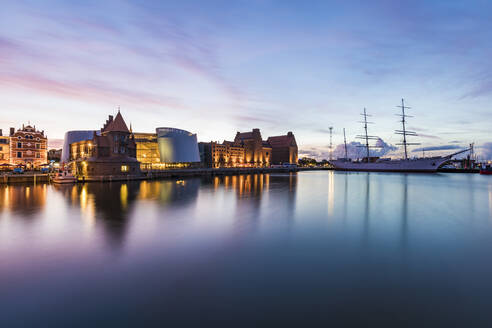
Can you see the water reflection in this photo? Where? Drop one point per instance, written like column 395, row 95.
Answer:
column 404, row 213
column 107, row 203
column 253, row 195
column 26, row 200
column 170, row 192
column 367, row 211
column 288, row 243
column 490, row 202
column 331, row 192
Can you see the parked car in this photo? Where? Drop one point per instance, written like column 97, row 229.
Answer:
column 18, row 170
column 45, row 169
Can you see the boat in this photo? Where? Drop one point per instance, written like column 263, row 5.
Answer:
column 376, row 164
column 486, row 169
column 64, row 177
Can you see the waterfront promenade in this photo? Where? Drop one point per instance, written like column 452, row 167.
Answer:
column 157, row 174
column 37, row 177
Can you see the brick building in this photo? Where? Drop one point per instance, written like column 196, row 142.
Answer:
column 256, row 151
column 4, row 150
column 28, row 147
column 112, row 153
column 249, row 150
column 227, row 154
column 284, row 149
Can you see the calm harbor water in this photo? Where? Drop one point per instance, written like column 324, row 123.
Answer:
column 362, row 249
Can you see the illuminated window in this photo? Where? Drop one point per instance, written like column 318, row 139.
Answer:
column 124, row 168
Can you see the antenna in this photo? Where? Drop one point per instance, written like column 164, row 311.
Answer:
column 345, row 143
column 367, row 137
column 331, row 144
column 404, row 132
column 473, row 158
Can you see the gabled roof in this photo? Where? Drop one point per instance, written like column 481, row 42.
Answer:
column 116, row 125
column 244, row 135
column 282, row 141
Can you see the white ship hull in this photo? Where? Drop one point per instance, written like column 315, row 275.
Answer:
column 429, row 165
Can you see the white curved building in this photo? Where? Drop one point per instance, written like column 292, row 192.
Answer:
column 71, row 137
column 177, row 146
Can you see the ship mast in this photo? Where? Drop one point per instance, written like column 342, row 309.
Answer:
column 404, row 132
column 367, row 137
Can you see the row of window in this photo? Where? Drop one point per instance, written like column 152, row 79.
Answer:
column 28, row 136
column 19, row 145
column 19, row 155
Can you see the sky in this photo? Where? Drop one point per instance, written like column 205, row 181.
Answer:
column 217, row 67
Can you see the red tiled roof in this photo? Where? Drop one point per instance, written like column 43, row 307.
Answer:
column 117, row 125
column 245, row 135
column 281, row 141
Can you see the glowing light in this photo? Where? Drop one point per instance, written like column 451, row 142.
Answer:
column 83, row 198
column 124, row 195
column 331, row 192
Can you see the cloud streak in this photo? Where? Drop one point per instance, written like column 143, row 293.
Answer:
column 437, row 148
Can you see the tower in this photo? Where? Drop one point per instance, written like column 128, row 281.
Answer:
column 331, row 143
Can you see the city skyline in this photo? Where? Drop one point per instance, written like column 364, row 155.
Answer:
column 222, row 67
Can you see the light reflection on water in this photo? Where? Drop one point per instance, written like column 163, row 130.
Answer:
column 300, row 247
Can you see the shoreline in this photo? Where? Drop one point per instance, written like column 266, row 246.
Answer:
column 184, row 173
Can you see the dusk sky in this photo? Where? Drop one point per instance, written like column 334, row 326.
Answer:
column 217, row 67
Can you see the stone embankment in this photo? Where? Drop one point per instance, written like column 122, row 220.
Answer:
column 153, row 175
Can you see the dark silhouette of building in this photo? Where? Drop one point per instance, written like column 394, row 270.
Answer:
column 54, row 155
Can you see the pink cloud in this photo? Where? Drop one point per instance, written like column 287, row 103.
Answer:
column 87, row 91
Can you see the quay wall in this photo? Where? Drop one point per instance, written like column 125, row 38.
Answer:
column 183, row 173
column 24, row 178
column 152, row 175
column 174, row 173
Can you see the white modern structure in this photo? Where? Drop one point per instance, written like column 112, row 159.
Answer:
column 177, row 146
column 71, row 137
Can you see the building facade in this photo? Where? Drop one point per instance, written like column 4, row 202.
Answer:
column 54, row 155
column 227, row 154
column 28, row 147
column 284, row 149
column 257, row 152
column 166, row 149
column 111, row 153
column 74, row 136
column 4, row 150
column 177, row 146
column 147, row 150
column 249, row 150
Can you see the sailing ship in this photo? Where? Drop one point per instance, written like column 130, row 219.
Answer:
column 376, row 164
